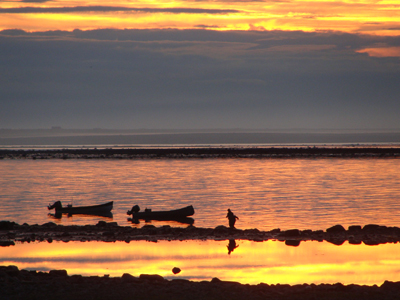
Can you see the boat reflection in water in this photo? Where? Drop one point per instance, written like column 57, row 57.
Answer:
column 189, row 221
column 100, row 210
column 270, row 262
column 106, row 215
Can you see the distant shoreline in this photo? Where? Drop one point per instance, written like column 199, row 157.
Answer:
column 203, row 152
column 14, row 139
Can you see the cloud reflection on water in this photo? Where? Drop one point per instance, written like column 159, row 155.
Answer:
column 270, row 262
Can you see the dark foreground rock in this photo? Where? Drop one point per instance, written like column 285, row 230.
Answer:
column 56, row 284
column 11, row 233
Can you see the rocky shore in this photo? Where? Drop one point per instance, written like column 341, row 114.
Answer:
column 18, row 284
column 206, row 152
column 57, row 284
column 11, row 232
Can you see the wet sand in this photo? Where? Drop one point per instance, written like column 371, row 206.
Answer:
column 206, row 152
column 57, row 284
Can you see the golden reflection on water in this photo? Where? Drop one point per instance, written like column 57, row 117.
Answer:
column 270, row 262
column 265, row 194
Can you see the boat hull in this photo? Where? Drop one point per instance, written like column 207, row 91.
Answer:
column 176, row 214
column 86, row 210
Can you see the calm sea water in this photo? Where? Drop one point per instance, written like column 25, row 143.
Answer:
column 264, row 193
column 251, row 262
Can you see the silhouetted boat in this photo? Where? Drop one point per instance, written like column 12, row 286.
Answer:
column 102, row 209
column 173, row 215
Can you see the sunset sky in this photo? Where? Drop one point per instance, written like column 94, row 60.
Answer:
column 200, row 64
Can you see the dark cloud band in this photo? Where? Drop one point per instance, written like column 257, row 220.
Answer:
column 110, row 78
column 177, row 10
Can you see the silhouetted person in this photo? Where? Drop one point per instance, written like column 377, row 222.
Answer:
column 135, row 209
column 232, row 218
column 231, row 246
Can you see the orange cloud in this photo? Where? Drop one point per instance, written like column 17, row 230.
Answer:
column 382, row 51
column 364, row 16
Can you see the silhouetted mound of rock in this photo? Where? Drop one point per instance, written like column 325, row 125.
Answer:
column 373, row 227
column 6, row 225
column 336, row 229
column 290, row 233
column 355, row 228
column 56, row 284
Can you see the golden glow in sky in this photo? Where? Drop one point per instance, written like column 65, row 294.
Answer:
column 368, row 16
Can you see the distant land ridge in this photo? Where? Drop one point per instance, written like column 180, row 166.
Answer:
column 97, row 137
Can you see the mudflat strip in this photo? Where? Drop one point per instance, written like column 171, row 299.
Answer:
column 206, row 152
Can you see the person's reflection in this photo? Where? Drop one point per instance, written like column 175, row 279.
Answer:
column 231, row 246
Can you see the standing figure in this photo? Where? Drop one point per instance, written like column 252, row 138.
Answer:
column 232, row 219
